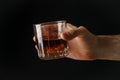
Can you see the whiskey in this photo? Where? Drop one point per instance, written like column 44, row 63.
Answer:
column 52, row 49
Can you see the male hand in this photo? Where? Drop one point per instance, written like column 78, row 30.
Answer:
column 82, row 43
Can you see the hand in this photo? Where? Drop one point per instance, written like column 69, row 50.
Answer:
column 82, row 44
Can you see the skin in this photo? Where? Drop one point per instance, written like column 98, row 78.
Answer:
column 83, row 45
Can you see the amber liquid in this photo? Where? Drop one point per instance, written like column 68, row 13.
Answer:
column 53, row 49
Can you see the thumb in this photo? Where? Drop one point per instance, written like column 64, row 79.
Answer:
column 72, row 33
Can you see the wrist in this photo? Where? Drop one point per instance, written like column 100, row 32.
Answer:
column 108, row 47
column 102, row 48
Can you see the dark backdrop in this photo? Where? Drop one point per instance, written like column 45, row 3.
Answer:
column 18, row 57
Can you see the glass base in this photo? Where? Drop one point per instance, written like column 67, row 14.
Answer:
column 52, row 57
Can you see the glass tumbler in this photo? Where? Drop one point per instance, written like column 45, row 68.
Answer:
column 49, row 41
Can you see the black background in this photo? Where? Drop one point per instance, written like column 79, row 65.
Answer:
column 18, row 57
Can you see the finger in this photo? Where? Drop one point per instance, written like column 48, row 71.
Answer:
column 36, row 47
column 34, row 39
column 74, row 32
column 70, row 26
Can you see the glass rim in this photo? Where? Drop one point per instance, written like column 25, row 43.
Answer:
column 50, row 22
